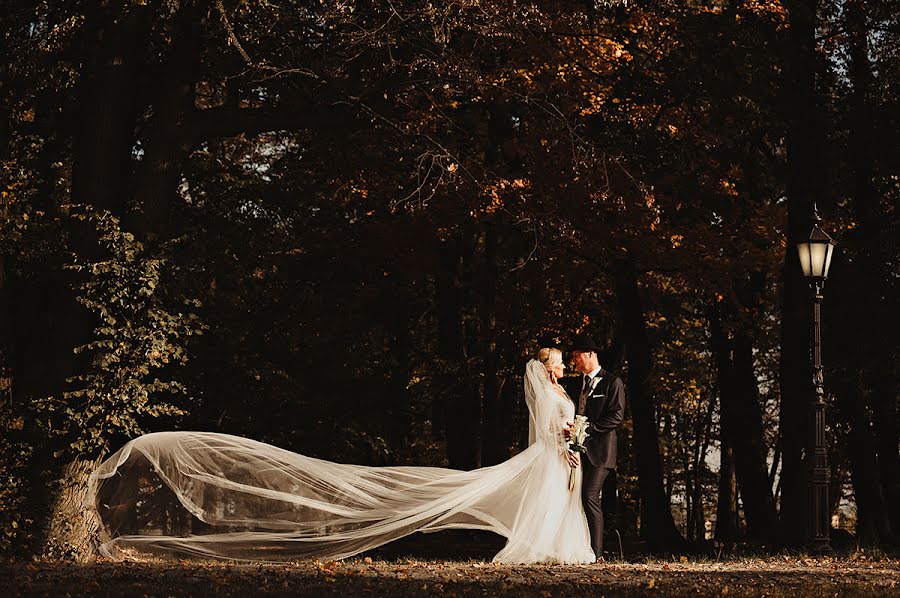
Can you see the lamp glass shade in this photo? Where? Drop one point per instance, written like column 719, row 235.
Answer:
column 804, row 250
column 818, row 254
column 815, row 258
column 830, row 249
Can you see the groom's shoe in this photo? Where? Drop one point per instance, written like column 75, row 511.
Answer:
column 600, row 560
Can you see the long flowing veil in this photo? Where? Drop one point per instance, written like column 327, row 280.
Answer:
column 222, row 496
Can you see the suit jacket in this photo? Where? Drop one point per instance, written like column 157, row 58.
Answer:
column 605, row 410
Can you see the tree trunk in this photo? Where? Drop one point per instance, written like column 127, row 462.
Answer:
column 461, row 410
column 73, row 528
column 871, row 291
column 170, row 137
column 699, row 465
column 109, row 104
column 885, row 400
column 727, row 525
column 750, row 459
column 398, row 405
column 493, row 441
column 872, row 521
column 804, row 184
column 741, row 425
column 657, row 525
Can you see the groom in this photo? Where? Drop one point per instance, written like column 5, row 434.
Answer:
column 599, row 396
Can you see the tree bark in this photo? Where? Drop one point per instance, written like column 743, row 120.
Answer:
column 169, row 143
column 727, row 524
column 873, row 525
column 869, row 292
column 49, row 322
column 699, row 465
column 657, row 525
column 493, row 451
column 741, row 425
column 398, row 404
column 462, row 401
column 804, row 184
column 109, row 105
column 750, row 459
column 72, row 529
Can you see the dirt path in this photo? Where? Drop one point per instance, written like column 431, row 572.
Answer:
column 407, row 577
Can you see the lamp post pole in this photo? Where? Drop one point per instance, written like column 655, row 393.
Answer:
column 815, row 259
column 819, row 523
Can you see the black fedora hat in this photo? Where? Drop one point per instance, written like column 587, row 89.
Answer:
column 584, row 344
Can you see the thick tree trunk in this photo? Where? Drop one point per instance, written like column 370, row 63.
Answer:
column 657, row 526
column 493, row 450
column 52, row 323
column 804, row 184
column 109, row 105
column 871, row 291
column 170, row 137
column 398, row 407
column 72, row 529
column 852, row 399
column 741, row 426
column 750, row 458
column 49, row 322
column 727, row 523
column 698, row 465
column 461, row 410
column 886, row 429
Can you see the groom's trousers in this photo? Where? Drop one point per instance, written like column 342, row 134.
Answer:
column 591, row 487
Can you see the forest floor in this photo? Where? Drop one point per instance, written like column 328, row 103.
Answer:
column 788, row 576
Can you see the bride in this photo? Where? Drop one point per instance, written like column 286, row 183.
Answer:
column 247, row 500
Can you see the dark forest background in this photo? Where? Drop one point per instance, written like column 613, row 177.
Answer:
column 342, row 227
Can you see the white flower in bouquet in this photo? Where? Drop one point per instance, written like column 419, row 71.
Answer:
column 579, row 434
column 576, row 443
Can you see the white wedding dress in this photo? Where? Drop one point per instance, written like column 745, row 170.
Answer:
column 247, row 500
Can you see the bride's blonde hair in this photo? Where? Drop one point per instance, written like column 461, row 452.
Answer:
column 550, row 357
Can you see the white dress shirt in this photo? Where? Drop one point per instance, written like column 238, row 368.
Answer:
column 590, row 377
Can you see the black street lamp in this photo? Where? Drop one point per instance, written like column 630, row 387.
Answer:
column 815, row 259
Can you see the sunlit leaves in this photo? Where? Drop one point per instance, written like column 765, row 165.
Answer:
column 140, row 338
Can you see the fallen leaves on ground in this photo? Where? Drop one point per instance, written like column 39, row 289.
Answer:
column 775, row 577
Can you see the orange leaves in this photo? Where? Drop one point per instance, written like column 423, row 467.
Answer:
column 328, row 567
column 585, row 322
column 495, row 195
column 773, row 10
column 595, row 101
column 729, row 187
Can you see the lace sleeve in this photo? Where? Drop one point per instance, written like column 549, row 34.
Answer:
column 546, row 419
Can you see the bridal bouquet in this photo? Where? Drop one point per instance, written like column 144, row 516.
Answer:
column 576, row 443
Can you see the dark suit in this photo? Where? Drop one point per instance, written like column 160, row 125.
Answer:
column 604, row 406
